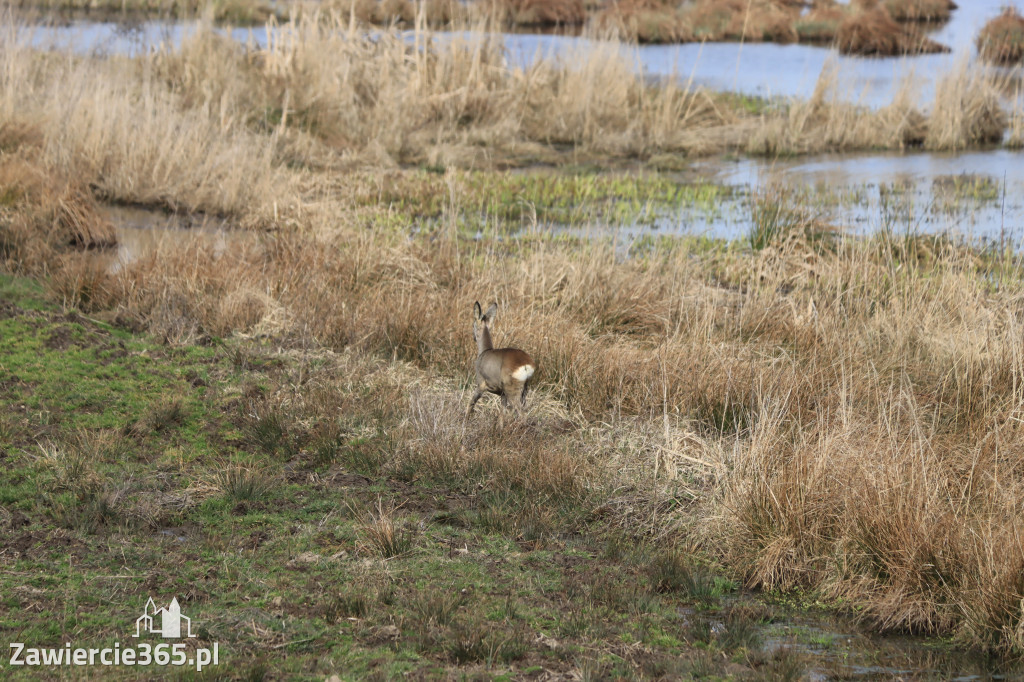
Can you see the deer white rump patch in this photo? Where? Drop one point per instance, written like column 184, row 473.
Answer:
column 523, row 373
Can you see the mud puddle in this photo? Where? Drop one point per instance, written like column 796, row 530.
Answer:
column 142, row 231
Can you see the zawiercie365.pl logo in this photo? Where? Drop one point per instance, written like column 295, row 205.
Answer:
column 167, row 622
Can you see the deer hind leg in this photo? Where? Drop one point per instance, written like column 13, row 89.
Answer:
column 473, row 400
column 516, row 393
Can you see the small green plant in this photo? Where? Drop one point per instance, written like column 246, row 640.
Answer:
column 7, row 430
column 494, row 516
column 266, row 428
column 700, row 630
column 383, row 536
column 576, row 624
column 346, row 605
column 327, row 448
column 723, row 585
column 703, row 665
column 244, row 484
column 509, row 609
column 670, row 572
column 642, row 601
column 364, row 454
column 785, row 665
column 85, row 514
column 476, row 642
column 591, row 669
column 257, row 672
column 740, row 630
column 437, row 607
column 163, row 415
column 775, row 215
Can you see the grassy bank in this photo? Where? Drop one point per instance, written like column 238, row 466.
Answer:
column 837, row 415
column 802, row 411
column 321, row 513
column 290, row 501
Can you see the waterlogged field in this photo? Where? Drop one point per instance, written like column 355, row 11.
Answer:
column 764, row 441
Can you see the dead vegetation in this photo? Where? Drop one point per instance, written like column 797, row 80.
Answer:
column 842, row 415
column 920, row 10
column 42, row 215
column 873, row 32
column 176, row 128
column 543, row 12
column 872, row 27
column 1001, row 40
column 967, row 111
column 868, row 27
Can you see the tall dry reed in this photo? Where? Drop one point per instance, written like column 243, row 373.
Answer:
column 211, row 125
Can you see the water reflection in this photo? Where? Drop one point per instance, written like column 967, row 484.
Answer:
column 142, row 231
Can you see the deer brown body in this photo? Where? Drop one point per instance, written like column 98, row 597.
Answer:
column 502, row 371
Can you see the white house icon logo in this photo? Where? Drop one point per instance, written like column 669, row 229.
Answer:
column 165, row 622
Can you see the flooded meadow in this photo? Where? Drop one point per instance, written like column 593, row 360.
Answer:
column 773, row 292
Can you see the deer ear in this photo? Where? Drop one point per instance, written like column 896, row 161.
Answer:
column 477, row 314
column 492, row 310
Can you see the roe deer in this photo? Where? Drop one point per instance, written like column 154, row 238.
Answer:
column 502, row 371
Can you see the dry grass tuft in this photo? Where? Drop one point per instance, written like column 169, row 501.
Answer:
column 545, row 12
column 1015, row 129
column 821, row 24
column 920, row 10
column 37, row 204
column 383, row 536
column 240, row 483
column 645, row 21
column 828, row 120
column 872, row 32
column 967, row 110
column 763, row 21
column 1001, row 40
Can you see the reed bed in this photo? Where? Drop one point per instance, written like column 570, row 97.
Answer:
column 211, row 124
column 874, row 27
column 872, row 31
column 844, row 413
column 1001, row 40
column 920, row 10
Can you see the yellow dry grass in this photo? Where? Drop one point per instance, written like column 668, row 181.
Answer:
column 846, row 415
column 211, row 126
column 856, row 434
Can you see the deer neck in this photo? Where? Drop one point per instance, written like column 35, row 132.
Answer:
column 483, row 342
